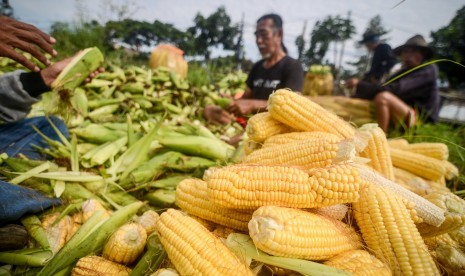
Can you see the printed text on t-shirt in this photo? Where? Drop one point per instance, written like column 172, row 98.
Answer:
column 266, row 84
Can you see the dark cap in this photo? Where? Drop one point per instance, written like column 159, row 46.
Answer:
column 369, row 36
column 417, row 42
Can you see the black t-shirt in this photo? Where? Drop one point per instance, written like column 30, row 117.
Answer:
column 287, row 73
column 382, row 62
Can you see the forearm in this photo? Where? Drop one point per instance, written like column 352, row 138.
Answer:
column 366, row 90
column 259, row 105
column 18, row 91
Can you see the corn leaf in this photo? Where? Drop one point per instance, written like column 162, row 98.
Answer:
column 242, row 245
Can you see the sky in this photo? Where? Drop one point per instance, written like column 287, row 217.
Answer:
column 408, row 18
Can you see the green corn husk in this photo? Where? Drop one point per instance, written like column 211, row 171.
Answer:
column 134, row 156
column 79, row 101
column 22, row 165
column 97, row 134
column 92, row 240
column 242, row 245
column 190, row 164
column 197, row 129
column 97, row 103
column 168, row 183
column 65, row 176
column 214, row 149
column 103, row 111
column 84, row 63
column 154, row 255
column 101, row 154
column 161, row 198
column 120, row 198
column 153, row 168
column 75, row 191
column 30, row 173
column 35, row 230
column 33, row 258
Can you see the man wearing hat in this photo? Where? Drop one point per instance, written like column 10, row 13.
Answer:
column 383, row 58
column 415, row 92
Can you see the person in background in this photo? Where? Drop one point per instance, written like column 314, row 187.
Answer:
column 274, row 71
column 400, row 100
column 18, row 91
column 383, row 58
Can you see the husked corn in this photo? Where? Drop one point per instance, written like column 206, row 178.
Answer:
column 192, row 197
column 359, row 262
column 303, row 114
column 97, row 266
column 294, row 233
column 252, row 186
column 194, row 250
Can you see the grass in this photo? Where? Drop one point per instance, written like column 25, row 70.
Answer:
column 452, row 135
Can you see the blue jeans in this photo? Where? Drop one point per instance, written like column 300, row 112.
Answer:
column 19, row 137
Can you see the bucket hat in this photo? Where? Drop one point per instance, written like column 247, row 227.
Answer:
column 369, row 36
column 417, row 42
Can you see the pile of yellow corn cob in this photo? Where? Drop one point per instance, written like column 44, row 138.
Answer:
column 310, row 187
column 313, row 187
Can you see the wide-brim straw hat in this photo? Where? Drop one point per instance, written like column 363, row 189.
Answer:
column 417, row 42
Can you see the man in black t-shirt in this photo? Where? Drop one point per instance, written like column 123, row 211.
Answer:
column 275, row 71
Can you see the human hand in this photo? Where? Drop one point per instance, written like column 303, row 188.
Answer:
column 216, row 114
column 15, row 34
column 50, row 73
column 241, row 107
column 351, row 83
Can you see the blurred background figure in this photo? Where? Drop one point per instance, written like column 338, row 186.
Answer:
column 415, row 93
column 382, row 59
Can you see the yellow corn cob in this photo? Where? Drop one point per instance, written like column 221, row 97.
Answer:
column 250, row 146
column 359, row 262
column 390, row 233
column 454, row 208
column 303, row 114
column 425, row 210
column 126, row 244
column 299, row 234
column 458, row 235
column 90, row 206
column 448, row 254
column 337, row 211
column 76, row 222
column 98, row 266
column 451, row 170
column 377, row 150
column 290, row 137
column 436, row 186
column 56, row 234
column 397, row 142
column 193, row 249
column 192, row 197
column 253, row 186
column 434, row 150
column 307, row 154
column 434, row 242
column 223, row 232
column 148, row 221
column 261, row 126
column 418, row 164
column 412, row 182
column 165, row 272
